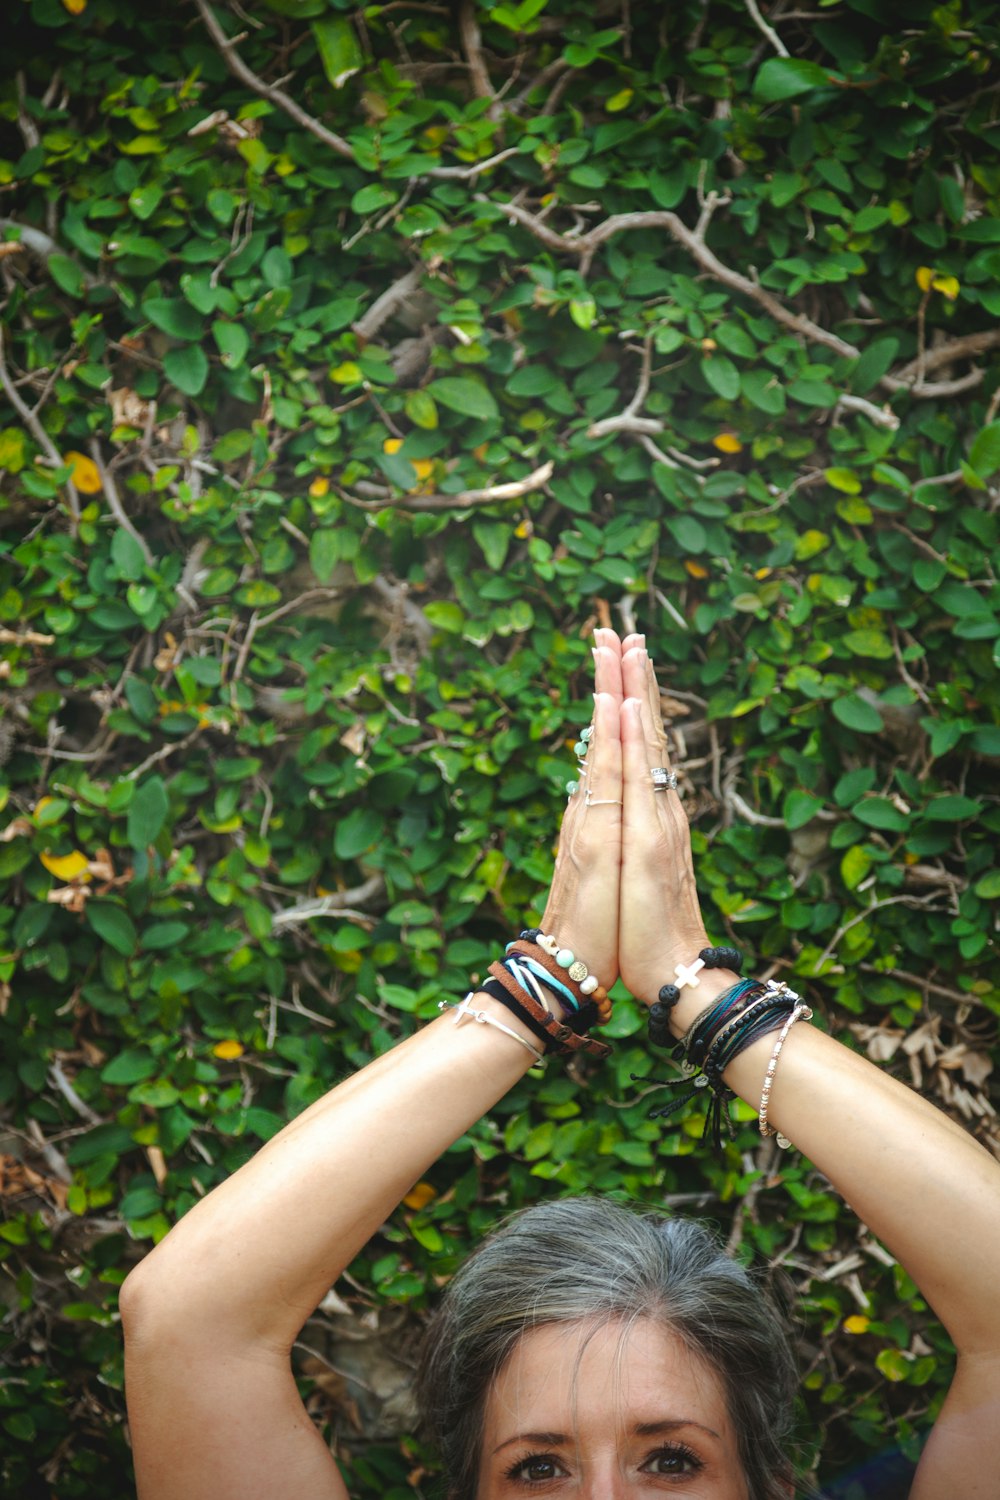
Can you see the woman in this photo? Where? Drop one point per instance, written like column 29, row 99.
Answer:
column 584, row 1351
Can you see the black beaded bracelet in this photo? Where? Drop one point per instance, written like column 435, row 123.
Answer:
column 659, row 1012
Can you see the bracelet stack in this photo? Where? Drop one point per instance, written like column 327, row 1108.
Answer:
column 540, row 981
column 737, row 1018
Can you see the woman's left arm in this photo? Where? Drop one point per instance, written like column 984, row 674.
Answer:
column 917, row 1180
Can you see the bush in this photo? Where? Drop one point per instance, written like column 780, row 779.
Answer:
column 356, row 367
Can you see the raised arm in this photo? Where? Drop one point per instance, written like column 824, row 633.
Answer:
column 915, row 1178
column 212, row 1312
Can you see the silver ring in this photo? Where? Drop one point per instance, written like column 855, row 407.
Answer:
column 663, row 780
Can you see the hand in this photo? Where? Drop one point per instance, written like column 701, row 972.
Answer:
column 660, row 921
column 582, row 909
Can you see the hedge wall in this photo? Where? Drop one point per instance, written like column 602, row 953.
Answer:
column 357, row 362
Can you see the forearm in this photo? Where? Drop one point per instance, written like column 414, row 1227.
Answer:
column 256, row 1256
column 919, row 1181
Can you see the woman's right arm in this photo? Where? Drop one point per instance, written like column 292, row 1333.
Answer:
column 921, row 1184
column 211, row 1314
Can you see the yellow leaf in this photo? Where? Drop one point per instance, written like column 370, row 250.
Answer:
column 423, row 466
column 436, row 135
column 619, row 101
column 348, row 373
column 695, row 569
column 523, row 529
column 392, row 445
column 762, row 573
column 727, row 442
column 418, row 1197
column 228, row 1050
column 84, row 475
column 319, row 487
column 75, row 7
column 924, row 277
column 947, row 285
column 65, row 866
column 856, row 1323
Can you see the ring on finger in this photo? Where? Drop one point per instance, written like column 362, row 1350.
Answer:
column 663, row 779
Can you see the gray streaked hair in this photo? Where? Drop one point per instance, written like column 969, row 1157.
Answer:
column 578, row 1259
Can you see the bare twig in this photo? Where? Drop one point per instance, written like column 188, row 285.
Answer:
column 472, row 46
column 880, row 415
column 767, row 30
column 336, row 902
column 585, row 245
column 115, row 504
column 463, row 500
column 34, row 426
column 965, row 347
column 277, row 96
column 42, row 245
column 24, row 638
column 385, row 306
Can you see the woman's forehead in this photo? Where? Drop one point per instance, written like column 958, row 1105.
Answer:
column 641, row 1367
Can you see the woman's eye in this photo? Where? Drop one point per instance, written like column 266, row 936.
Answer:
column 673, row 1461
column 535, row 1470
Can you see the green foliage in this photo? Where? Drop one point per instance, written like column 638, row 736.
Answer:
column 334, row 422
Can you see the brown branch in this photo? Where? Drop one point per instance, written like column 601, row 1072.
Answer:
column 585, row 245
column 944, row 354
column 42, row 245
column 115, row 504
column 315, row 127
column 277, row 96
column 462, row 501
column 472, row 46
column 34, row 426
column 384, row 307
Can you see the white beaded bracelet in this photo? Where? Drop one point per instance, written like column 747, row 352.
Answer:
column 464, row 1012
column 800, row 1013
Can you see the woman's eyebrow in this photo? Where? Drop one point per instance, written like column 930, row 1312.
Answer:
column 670, row 1424
column 642, row 1429
column 543, row 1439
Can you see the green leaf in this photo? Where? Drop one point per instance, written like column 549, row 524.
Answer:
column 466, row 395
column 372, row 197
column 232, row 341
column 855, row 713
column 988, row 886
column 339, row 49
column 785, row 77
column 799, row 808
column 173, row 315
column 880, row 812
column 187, row 369
column 127, row 554
column 984, row 455
column 844, row 480
column 130, row 1066
column 114, row 925
column 952, row 809
column 722, row 375
column 868, row 643
column 421, row 410
column 875, row 361
column 854, row 866
column 147, row 812
column 359, row 830
column 66, row 274
column 763, row 390
column 324, row 553
column 687, row 532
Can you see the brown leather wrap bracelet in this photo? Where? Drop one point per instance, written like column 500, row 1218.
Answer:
column 565, row 1039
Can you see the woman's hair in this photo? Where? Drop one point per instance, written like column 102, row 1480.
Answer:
column 588, row 1258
